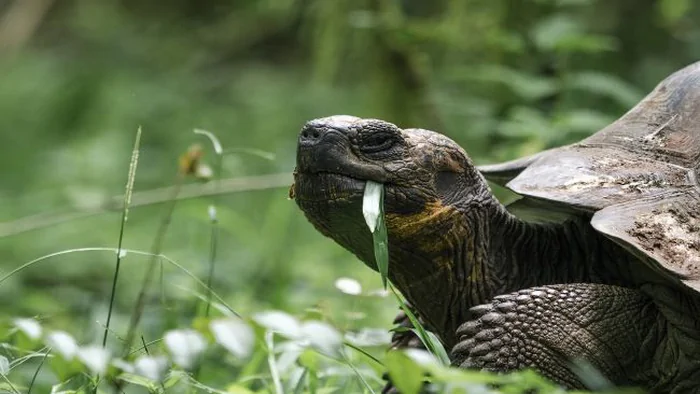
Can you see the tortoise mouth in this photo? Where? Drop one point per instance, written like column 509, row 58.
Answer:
column 326, row 186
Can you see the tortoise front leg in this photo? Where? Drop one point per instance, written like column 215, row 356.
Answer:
column 615, row 329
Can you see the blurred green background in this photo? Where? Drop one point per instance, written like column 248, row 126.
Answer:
column 78, row 77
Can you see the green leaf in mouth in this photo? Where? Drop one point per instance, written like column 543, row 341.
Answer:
column 373, row 211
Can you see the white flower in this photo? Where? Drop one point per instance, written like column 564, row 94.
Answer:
column 151, row 367
column 234, row 335
column 95, row 358
column 185, row 346
column 62, row 343
column 30, row 327
column 348, row 286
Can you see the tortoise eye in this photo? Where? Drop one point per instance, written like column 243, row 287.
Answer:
column 376, row 142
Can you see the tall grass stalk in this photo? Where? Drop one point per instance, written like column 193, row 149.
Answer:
column 272, row 363
column 125, row 216
column 429, row 340
column 357, row 373
column 9, row 384
column 213, row 243
column 36, row 373
column 155, row 253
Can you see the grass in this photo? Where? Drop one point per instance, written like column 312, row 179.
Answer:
column 218, row 350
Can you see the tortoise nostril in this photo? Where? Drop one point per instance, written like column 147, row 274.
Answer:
column 310, row 134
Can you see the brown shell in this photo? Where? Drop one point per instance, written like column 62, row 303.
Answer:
column 639, row 176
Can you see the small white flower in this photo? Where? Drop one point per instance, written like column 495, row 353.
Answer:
column 348, row 286
column 234, row 335
column 62, row 343
column 279, row 322
column 185, row 346
column 95, row 358
column 323, row 337
column 151, row 367
column 30, row 327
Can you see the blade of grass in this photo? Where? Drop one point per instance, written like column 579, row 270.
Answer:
column 272, row 363
column 145, row 198
column 381, row 247
column 12, row 387
column 253, row 152
column 145, row 346
column 36, row 373
column 430, row 342
column 125, row 215
column 103, row 249
column 364, row 352
column 299, row 389
column 156, row 247
column 359, row 375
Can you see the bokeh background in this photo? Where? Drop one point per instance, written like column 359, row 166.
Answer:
column 78, row 77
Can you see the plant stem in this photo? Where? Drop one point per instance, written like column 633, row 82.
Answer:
column 125, row 214
column 36, row 373
column 137, row 312
column 272, row 363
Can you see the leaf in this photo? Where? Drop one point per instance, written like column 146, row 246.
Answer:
column 234, row 335
column 563, row 32
column 405, row 374
column 371, row 204
column 323, row 337
column 431, row 342
column 185, row 346
column 526, row 85
column 373, row 211
column 423, row 358
column 237, row 389
column 279, row 322
column 139, row 380
column 381, row 250
column 437, row 348
column 673, row 10
column 4, row 366
column 605, row 85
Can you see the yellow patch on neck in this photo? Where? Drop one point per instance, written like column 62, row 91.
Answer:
column 431, row 229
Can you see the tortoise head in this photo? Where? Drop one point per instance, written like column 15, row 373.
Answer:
column 430, row 185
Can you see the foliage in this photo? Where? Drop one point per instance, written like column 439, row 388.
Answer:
column 504, row 79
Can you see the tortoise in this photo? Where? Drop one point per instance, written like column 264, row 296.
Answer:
column 599, row 260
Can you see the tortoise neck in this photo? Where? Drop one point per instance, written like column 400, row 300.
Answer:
column 464, row 256
column 524, row 254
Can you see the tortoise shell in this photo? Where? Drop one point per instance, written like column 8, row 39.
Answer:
column 638, row 177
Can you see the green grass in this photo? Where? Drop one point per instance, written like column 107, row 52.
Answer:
column 222, row 351
column 503, row 81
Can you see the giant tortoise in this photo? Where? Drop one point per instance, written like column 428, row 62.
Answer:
column 598, row 261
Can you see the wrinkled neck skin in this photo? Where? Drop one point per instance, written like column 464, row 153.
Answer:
column 465, row 254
